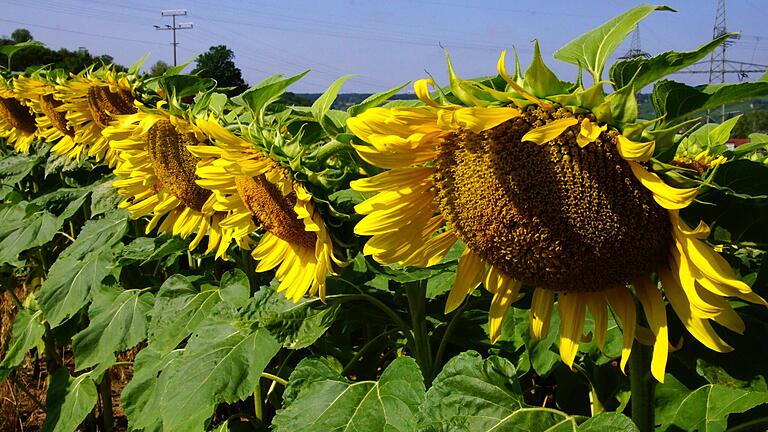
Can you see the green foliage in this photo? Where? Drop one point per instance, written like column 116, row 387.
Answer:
column 69, row 401
column 27, row 333
column 705, row 409
column 327, row 401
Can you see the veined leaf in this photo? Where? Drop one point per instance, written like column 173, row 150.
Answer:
column 104, row 197
column 68, row 402
column 320, row 107
column 25, row 233
column 472, row 394
column 99, row 234
column 141, row 396
column 323, row 402
column 676, row 100
column 592, row 49
column 643, row 71
column 118, row 322
column 705, row 409
column 608, row 421
column 10, row 50
column 220, row 364
column 27, row 333
column 267, row 91
column 71, row 279
column 295, row 325
column 374, row 100
column 180, row 308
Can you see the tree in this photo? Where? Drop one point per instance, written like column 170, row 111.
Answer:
column 21, row 35
column 218, row 63
column 158, row 68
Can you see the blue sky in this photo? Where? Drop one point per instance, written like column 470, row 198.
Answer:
column 386, row 42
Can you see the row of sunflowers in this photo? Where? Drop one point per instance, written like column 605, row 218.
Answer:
column 552, row 195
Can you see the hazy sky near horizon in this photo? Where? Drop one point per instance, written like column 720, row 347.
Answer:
column 385, row 42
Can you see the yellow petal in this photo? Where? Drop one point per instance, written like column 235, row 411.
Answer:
column 502, row 68
column 624, row 306
column 421, row 88
column 433, row 251
column 589, row 132
column 597, row 307
column 635, row 151
column 469, row 274
column 400, row 180
column 699, row 328
column 656, row 315
column 505, row 295
column 666, row 196
column 478, row 119
column 572, row 310
column 549, row 131
column 541, row 311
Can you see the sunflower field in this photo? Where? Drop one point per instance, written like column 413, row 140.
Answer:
column 513, row 252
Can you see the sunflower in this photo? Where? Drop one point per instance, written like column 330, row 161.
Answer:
column 41, row 97
column 91, row 100
column 157, row 174
column 17, row 122
column 259, row 193
column 545, row 191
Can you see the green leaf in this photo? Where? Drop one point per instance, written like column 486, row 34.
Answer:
column 179, row 310
column 27, row 333
column 540, row 79
column 643, row 71
column 676, row 100
column 295, row 325
column 98, row 234
column 178, row 87
column 10, row 50
column 104, row 197
column 608, row 422
column 320, row 107
column 619, row 107
column 71, row 279
column 268, row 91
column 219, row 364
column 324, row 402
column 705, row 409
column 711, row 137
column 118, row 322
column 592, row 49
column 68, row 402
column 374, row 100
column 22, row 234
column 141, row 396
column 472, row 394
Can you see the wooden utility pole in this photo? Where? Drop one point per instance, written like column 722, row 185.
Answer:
column 173, row 27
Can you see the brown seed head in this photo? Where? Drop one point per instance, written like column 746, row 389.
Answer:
column 48, row 105
column 174, row 165
column 272, row 210
column 554, row 215
column 17, row 115
column 104, row 104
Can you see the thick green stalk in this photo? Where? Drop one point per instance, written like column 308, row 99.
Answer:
column 422, row 351
column 105, row 391
column 643, row 387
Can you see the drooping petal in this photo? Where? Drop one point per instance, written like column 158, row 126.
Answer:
column 624, row 306
column 656, row 315
column 469, row 274
column 589, row 132
column 541, row 312
column 572, row 308
column 667, row 196
column 635, row 151
column 549, row 131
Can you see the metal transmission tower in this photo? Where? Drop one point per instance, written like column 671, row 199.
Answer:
column 634, row 48
column 182, row 26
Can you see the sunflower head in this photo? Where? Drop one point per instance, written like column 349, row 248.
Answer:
column 550, row 185
column 17, row 121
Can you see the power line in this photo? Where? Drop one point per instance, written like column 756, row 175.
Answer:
column 79, row 32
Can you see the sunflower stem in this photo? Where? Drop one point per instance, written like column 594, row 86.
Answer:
column 422, row 351
column 643, row 387
column 105, row 391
